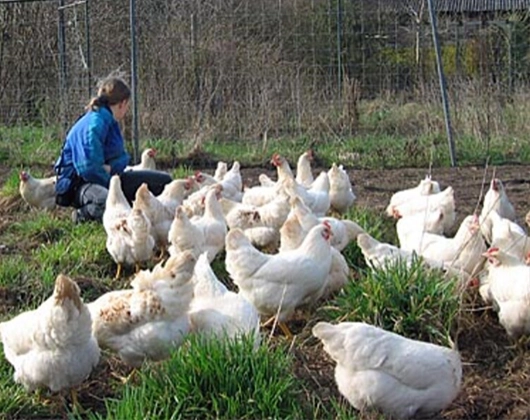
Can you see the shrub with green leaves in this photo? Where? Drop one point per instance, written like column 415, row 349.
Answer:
column 213, row 379
column 413, row 301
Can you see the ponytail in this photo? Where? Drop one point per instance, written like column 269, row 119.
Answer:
column 111, row 91
column 97, row 102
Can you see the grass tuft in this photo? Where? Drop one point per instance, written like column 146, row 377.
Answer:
column 411, row 301
column 213, row 379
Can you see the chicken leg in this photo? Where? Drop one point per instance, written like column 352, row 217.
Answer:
column 118, row 271
column 285, row 329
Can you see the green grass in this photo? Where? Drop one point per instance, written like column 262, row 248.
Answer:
column 213, row 379
column 411, row 301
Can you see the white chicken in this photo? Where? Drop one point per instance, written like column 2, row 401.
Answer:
column 117, row 207
column 147, row 161
column 158, row 214
column 304, row 175
column 301, row 219
column 150, row 319
column 194, row 204
column 231, row 183
column 130, row 241
column 296, row 228
column 495, row 199
column 37, row 192
column 508, row 287
column 340, row 189
column 212, row 224
column 260, row 195
column 444, row 201
column 399, row 376
column 410, row 229
column 508, row 236
column 216, row 311
column 463, row 251
column 52, row 346
column 220, row 171
column 426, row 187
column 260, row 224
column 277, row 284
column 184, row 235
column 174, row 193
column 379, row 255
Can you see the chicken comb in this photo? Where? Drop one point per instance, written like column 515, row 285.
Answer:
column 327, row 224
column 492, row 250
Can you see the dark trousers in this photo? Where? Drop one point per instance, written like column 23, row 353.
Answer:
column 90, row 198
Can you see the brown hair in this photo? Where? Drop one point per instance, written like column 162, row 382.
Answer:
column 111, row 91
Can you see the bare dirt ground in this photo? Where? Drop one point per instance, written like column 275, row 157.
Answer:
column 496, row 378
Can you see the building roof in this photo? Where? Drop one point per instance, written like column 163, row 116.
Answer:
column 461, row 6
column 455, row 6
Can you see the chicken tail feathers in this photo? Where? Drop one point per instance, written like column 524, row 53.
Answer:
column 67, row 289
column 323, row 330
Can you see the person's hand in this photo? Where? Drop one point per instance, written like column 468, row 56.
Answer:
column 107, row 168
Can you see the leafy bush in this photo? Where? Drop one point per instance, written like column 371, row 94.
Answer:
column 412, row 301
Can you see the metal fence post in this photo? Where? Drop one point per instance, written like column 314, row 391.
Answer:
column 62, row 66
column 87, row 46
column 339, row 47
column 134, row 77
column 443, row 86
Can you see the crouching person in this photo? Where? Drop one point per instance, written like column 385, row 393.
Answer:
column 94, row 151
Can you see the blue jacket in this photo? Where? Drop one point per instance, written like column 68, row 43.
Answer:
column 94, row 140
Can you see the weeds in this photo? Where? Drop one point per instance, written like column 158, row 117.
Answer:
column 213, row 379
column 408, row 300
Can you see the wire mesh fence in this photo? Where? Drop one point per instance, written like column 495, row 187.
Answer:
column 249, row 68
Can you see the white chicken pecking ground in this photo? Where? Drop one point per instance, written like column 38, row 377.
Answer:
column 52, row 346
column 382, row 370
column 216, row 311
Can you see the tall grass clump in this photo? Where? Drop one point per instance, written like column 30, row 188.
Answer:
column 410, row 300
column 213, row 379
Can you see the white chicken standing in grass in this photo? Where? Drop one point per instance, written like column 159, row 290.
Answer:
column 116, row 205
column 130, row 242
column 52, row 346
column 382, row 370
column 147, row 161
column 150, row 319
column 277, row 284
column 379, row 255
column 217, row 311
column 340, row 189
column 184, row 235
column 37, row 192
column 158, row 214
